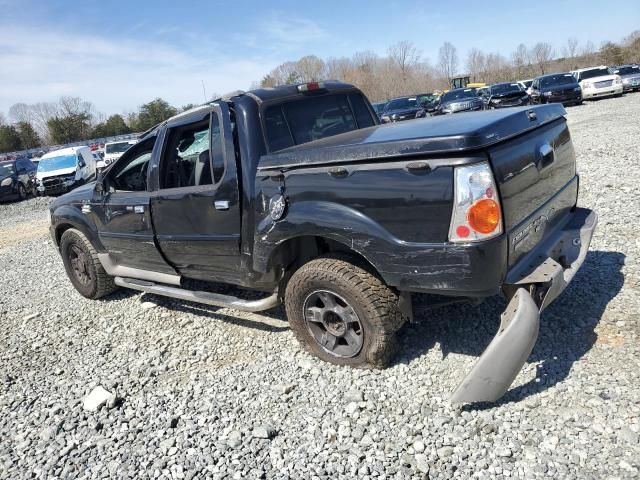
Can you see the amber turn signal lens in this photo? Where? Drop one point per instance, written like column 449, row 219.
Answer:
column 484, row 215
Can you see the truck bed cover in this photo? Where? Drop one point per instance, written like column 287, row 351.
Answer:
column 456, row 133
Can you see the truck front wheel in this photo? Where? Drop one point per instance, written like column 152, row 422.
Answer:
column 342, row 313
column 83, row 267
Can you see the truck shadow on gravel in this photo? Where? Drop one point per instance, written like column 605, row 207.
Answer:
column 567, row 327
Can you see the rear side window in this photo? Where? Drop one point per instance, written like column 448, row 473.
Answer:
column 313, row 118
column 363, row 115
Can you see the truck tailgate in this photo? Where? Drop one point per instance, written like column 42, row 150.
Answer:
column 536, row 176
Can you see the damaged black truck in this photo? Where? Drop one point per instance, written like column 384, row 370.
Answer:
column 298, row 192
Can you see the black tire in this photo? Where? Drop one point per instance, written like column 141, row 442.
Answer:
column 375, row 317
column 83, row 267
column 22, row 192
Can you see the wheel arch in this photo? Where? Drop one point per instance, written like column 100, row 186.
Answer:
column 67, row 217
column 294, row 252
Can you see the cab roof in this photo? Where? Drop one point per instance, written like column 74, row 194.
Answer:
column 260, row 95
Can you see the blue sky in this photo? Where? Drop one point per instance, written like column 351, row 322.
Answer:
column 120, row 54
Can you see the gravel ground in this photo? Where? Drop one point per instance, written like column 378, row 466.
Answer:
column 214, row 393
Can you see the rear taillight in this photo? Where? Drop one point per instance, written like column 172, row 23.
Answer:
column 476, row 207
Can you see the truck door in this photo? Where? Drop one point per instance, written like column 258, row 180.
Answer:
column 122, row 213
column 196, row 210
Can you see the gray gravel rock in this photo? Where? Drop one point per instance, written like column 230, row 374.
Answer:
column 97, row 398
column 264, row 431
column 195, row 381
column 234, row 439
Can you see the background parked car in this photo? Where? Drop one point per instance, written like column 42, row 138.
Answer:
column 402, row 108
column 557, row 87
column 526, row 85
column 501, row 95
column 598, row 82
column 17, row 179
column 459, row 100
column 630, row 75
column 63, row 170
column 378, row 107
column 114, row 150
column 428, row 101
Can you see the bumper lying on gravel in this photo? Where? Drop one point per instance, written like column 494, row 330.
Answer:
column 547, row 273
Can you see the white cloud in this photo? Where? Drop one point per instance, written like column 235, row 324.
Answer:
column 116, row 74
column 284, row 34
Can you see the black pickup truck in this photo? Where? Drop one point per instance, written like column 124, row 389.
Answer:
column 298, row 192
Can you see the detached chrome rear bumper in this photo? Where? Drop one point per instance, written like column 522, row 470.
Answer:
column 545, row 275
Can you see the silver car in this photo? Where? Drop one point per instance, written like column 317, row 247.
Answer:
column 630, row 75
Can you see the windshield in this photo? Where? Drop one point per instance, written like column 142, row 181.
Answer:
column 559, row 79
column 628, row 70
column 427, row 99
column 7, row 169
column 458, row 94
column 594, row 72
column 401, row 103
column 501, row 88
column 57, row 163
column 119, row 147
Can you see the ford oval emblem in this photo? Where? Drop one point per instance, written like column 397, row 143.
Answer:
column 277, row 207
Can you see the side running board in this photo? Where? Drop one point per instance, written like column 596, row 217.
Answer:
column 206, row 298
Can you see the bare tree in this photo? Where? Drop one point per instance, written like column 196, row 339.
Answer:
column 588, row 52
column 632, row 47
column 406, row 56
column 43, row 112
column 448, row 61
column 497, row 68
column 571, row 48
column 21, row 112
column 310, row 68
column 542, row 54
column 476, row 61
column 521, row 61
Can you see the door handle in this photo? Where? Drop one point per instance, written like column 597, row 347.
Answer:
column 221, row 204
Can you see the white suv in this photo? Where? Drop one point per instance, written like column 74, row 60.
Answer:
column 598, row 82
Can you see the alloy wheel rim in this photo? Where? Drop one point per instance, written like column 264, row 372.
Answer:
column 333, row 324
column 78, row 260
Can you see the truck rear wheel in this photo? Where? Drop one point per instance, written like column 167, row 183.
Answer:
column 83, row 267
column 342, row 313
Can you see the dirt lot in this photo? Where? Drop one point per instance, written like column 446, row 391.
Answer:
column 198, row 387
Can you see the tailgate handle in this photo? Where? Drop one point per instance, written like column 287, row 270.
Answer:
column 338, row 172
column 547, row 155
column 419, row 167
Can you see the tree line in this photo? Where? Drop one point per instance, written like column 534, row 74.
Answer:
column 72, row 119
column 404, row 70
